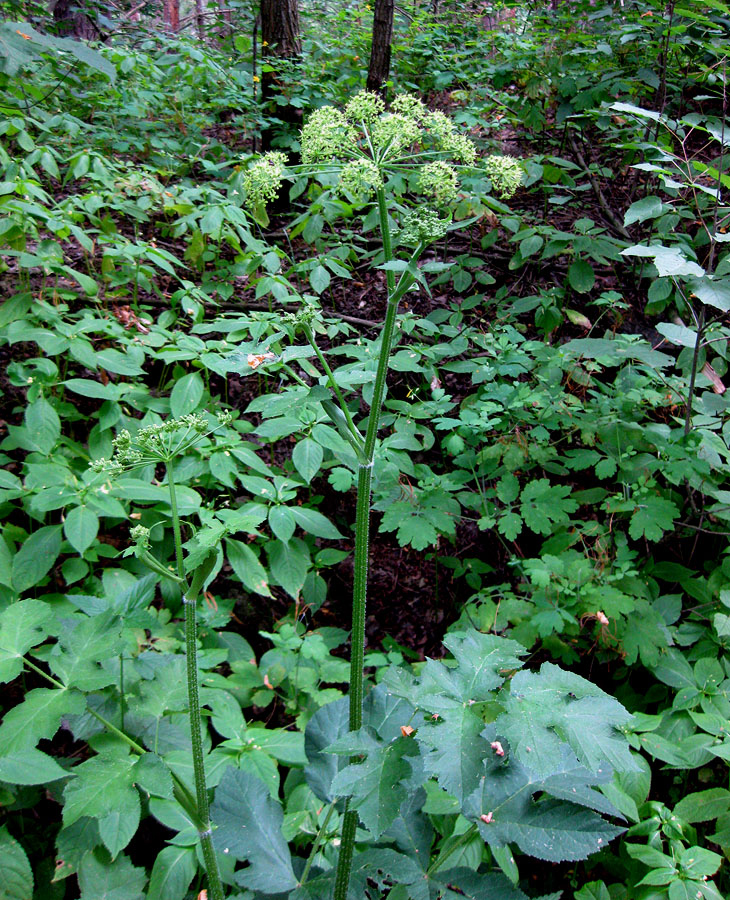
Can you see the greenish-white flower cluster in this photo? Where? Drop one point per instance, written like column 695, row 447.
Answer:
column 263, row 179
column 327, row 135
column 141, row 536
column 364, row 107
column 365, row 144
column 439, row 181
column 422, row 226
column 505, row 173
column 156, row 443
column 360, row 178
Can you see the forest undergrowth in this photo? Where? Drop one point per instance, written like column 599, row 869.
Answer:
column 197, row 404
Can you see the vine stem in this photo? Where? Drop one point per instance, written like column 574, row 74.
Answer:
column 362, row 538
column 190, row 599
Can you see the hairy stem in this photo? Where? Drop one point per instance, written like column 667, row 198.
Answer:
column 362, row 537
column 190, row 598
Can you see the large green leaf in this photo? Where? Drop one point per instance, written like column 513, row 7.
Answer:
column 84, row 646
column 30, row 766
column 36, row 557
column 37, row 717
column 647, row 208
column 81, row 528
column 375, row 784
column 307, row 457
column 669, row 261
column 551, row 706
column 315, row 523
column 477, row 886
column 247, row 567
column 17, row 875
column 186, row 395
column 289, row 564
column 43, row 425
column 712, row 291
column 327, row 725
column 102, row 879
column 455, row 750
column 248, row 826
column 484, row 661
column 172, row 873
column 104, row 790
column 20, row 45
column 505, row 812
column 22, row 625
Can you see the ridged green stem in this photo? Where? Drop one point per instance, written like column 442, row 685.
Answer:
column 362, row 537
column 190, row 599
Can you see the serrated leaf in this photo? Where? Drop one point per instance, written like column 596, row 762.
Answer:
column 43, row 425
column 153, row 776
column 509, row 525
column 37, row 717
column 552, row 830
column 327, row 725
column 172, row 873
column 102, row 879
column 478, row 886
column 314, row 523
column 544, row 505
column 551, row 706
column 703, row 806
column 248, row 826
column 30, row 766
column 307, row 458
column 652, row 517
column 289, row 563
column 81, row 528
column 454, row 750
column 581, row 276
column 186, row 395
column 594, row 890
column 17, row 881
column 247, row 567
column 22, row 625
column 375, row 784
column 36, row 557
column 82, row 649
column 103, row 789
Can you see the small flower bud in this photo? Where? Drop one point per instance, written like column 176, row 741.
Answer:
column 141, row 536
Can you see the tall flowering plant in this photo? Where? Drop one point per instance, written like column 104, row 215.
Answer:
column 365, row 146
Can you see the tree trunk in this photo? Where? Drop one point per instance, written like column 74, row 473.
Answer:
column 200, row 18
column 379, row 68
column 171, row 15
column 72, row 20
column 280, row 41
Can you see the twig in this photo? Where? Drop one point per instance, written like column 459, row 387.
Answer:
column 610, row 214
